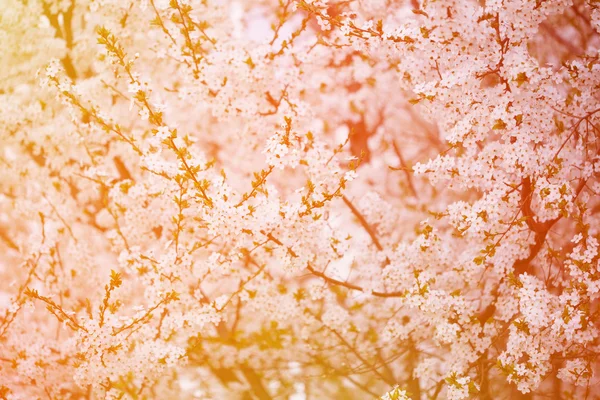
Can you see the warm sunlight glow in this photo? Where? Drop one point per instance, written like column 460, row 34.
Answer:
column 299, row 199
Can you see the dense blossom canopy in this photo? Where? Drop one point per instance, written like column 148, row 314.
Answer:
column 299, row 199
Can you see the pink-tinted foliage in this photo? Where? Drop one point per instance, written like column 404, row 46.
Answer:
column 296, row 199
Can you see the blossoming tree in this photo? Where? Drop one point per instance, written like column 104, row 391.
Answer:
column 298, row 199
